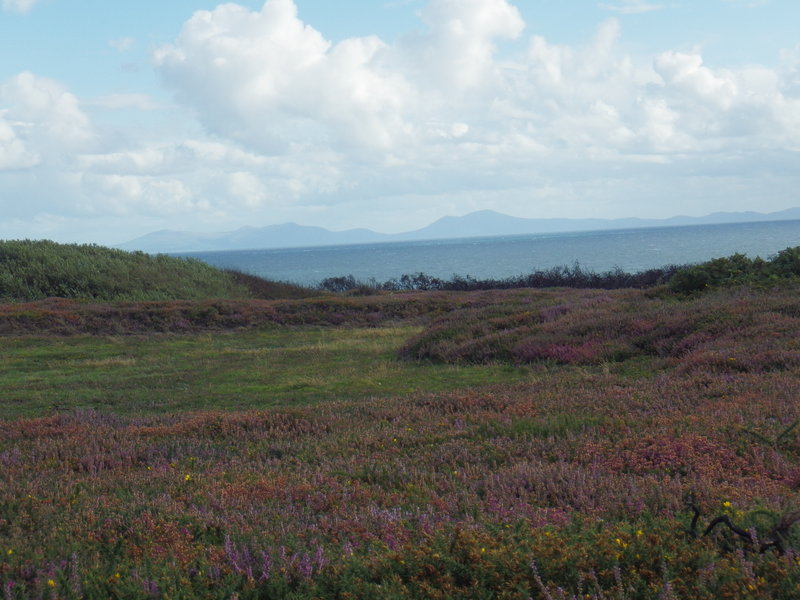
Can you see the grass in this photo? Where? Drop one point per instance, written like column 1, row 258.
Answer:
column 395, row 447
column 231, row 371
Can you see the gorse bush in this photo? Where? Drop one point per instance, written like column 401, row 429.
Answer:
column 737, row 269
column 33, row 270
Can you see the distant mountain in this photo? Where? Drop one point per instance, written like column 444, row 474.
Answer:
column 288, row 235
column 491, row 223
column 484, row 223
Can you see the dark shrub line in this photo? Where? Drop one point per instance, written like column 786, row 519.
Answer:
column 736, row 269
column 573, row 276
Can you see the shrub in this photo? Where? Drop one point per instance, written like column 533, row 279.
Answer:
column 737, row 269
column 573, row 276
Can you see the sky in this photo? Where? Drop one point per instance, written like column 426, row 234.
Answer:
column 122, row 118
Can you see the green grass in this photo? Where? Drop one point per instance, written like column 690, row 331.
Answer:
column 231, row 371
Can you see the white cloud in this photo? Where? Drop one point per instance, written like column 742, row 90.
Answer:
column 141, row 195
column 261, row 77
column 722, row 109
column 274, row 77
column 48, row 114
column 13, row 152
column 19, row 6
column 147, row 161
column 443, row 110
column 632, row 7
column 789, row 71
column 460, row 47
column 219, row 153
column 456, row 117
column 687, row 74
column 42, row 129
column 248, row 188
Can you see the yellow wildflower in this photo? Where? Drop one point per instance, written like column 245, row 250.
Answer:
column 51, row 583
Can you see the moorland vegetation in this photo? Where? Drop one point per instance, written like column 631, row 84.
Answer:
column 521, row 443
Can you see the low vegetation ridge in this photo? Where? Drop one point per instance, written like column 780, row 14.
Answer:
column 34, row 270
column 573, row 276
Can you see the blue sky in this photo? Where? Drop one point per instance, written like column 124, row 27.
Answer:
column 121, row 118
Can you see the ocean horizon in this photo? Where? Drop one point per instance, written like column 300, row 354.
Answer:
column 501, row 257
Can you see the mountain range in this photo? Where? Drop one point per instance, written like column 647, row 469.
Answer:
column 484, row 223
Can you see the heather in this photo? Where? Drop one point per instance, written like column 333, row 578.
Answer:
column 60, row 316
column 516, row 444
column 593, row 327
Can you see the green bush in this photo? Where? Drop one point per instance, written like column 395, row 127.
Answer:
column 786, row 263
column 737, row 269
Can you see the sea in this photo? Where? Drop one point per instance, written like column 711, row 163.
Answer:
column 631, row 250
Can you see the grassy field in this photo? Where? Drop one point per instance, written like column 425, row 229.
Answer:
column 512, row 444
column 248, row 370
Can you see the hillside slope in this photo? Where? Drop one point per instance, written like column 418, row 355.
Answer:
column 34, row 270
